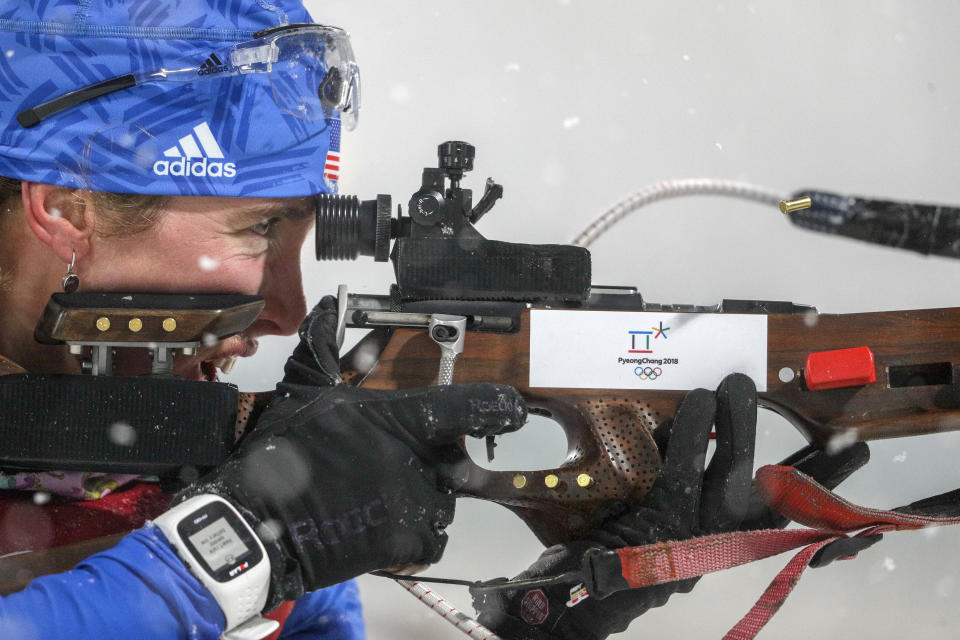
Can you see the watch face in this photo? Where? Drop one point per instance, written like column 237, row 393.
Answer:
column 220, row 541
column 218, row 544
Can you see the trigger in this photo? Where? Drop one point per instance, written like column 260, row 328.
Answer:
column 341, row 314
column 491, row 445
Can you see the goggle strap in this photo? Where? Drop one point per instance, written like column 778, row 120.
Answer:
column 35, row 115
column 267, row 54
column 284, row 27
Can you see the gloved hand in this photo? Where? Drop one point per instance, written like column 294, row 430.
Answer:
column 685, row 501
column 339, row 480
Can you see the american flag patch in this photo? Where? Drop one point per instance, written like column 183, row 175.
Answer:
column 578, row 594
column 331, row 166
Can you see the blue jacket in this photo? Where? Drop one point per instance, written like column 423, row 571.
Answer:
column 141, row 589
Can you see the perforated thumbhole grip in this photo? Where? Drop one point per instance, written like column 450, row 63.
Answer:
column 614, row 459
column 624, row 429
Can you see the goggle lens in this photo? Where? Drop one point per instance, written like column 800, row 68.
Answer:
column 315, row 77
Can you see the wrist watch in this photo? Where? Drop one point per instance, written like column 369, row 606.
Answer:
column 223, row 552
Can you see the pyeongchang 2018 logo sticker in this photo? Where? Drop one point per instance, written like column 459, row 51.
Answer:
column 647, row 366
column 196, row 154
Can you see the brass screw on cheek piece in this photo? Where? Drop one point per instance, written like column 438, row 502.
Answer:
column 135, row 324
column 584, row 480
column 169, row 325
column 551, row 481
column 103, row 324
column 519, row 481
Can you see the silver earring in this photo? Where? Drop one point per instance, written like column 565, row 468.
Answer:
column 71, row 281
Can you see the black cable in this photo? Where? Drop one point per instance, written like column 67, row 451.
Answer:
column 492, row 585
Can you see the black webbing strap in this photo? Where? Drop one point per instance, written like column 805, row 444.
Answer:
column 478, row 269
column 147, row 425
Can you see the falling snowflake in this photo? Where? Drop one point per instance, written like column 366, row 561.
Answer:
column 401, row 94
column 207, row 263
column 841, row 441
column 122, row 434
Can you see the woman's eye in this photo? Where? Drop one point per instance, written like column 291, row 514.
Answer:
column 264, row 227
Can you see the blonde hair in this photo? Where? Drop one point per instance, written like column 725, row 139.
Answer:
column 118, row 214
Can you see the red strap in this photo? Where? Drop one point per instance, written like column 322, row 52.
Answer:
column 796, row 496
column 775, row 594
column 668, row 561
column 803, row 500
column 280, row 614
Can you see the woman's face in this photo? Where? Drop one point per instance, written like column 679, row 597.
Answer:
column 211, row 245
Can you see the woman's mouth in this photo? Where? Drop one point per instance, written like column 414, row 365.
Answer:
column 220, row 358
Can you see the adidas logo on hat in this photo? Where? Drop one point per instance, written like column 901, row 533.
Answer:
column 187, row 149
column 211, row 66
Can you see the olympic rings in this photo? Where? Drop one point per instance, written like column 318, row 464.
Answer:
column 648, row 373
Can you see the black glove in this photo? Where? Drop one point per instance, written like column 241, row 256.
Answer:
column 685, row 501
column 339, row 480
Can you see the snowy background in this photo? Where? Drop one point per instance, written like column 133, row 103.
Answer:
column 573, row 105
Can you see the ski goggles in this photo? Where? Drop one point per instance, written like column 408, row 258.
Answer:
column 312, row 71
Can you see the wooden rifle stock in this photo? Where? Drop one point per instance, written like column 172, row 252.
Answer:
column 612, row 434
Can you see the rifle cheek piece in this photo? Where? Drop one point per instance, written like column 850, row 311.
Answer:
column 168, row 426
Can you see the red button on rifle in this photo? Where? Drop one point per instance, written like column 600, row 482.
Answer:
column 839, row 368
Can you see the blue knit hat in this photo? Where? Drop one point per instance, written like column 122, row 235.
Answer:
column 223, row 136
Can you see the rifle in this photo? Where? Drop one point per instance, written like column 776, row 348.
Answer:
column 484, row 310
column 614, row 386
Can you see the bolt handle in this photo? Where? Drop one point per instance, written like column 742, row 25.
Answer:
column 448, row 332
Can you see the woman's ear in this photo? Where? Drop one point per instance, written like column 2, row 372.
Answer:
column 60, row 218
